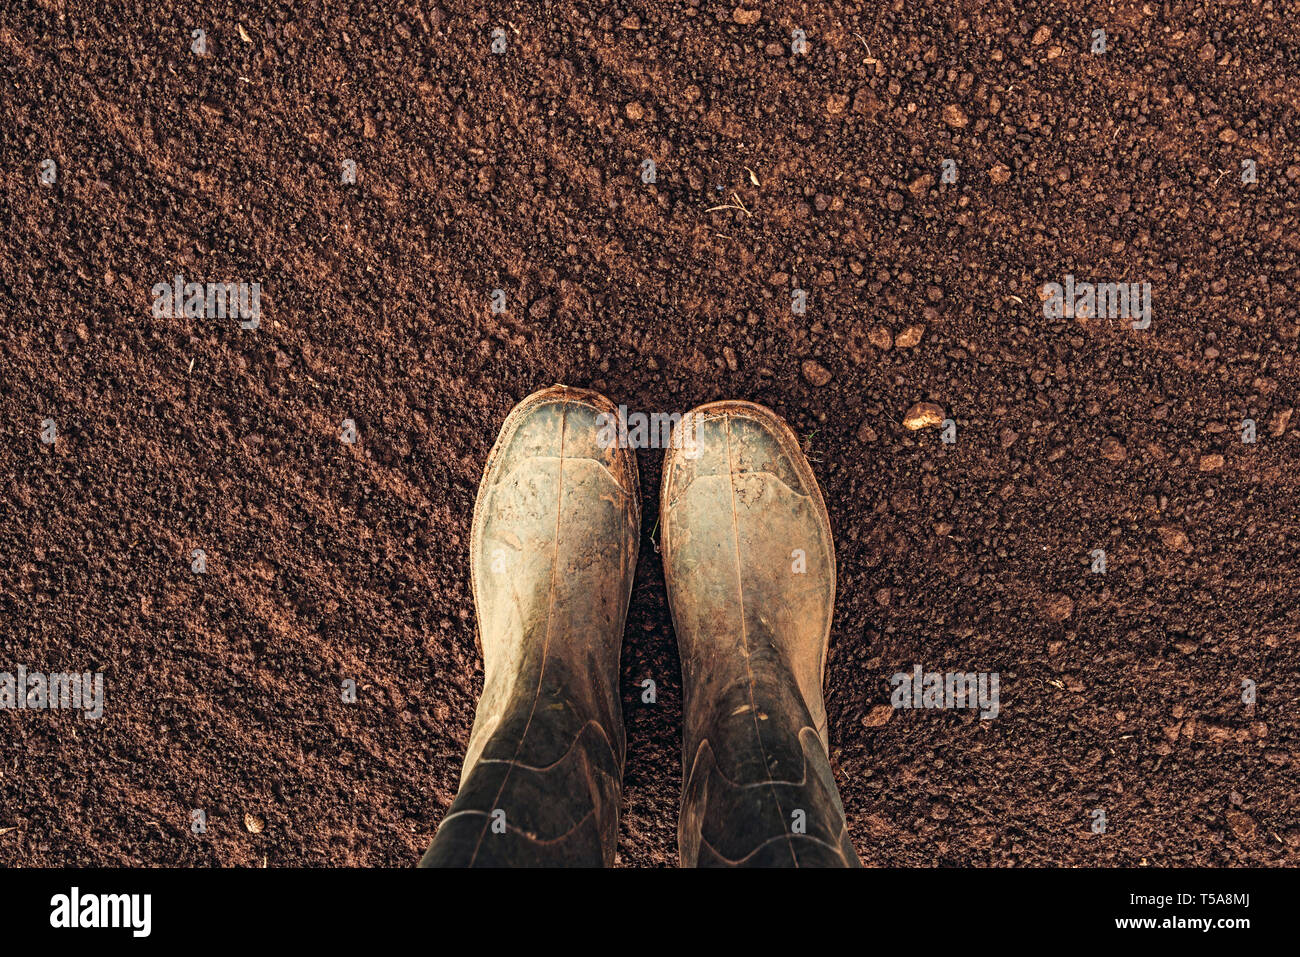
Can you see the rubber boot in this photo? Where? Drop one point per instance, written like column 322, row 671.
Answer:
column 552, row 552
column 750, row 569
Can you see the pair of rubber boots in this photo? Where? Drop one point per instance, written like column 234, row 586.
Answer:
column 750, row 570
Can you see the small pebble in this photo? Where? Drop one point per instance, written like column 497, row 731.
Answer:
column 954, row 116
column 878, row 716
column 1113, row 450
column 923, row 415
column 910, row 337
column 816, row 373
column 1173, row 537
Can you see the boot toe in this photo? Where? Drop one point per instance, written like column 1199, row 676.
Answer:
column 736, row 438
column 573, row 424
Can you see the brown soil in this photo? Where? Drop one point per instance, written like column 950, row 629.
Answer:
column 522, row 171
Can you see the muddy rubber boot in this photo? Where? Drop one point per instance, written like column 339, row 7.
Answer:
column 552, row 552
column 750, row 569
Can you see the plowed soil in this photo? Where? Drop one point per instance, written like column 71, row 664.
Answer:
column 524, row 171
